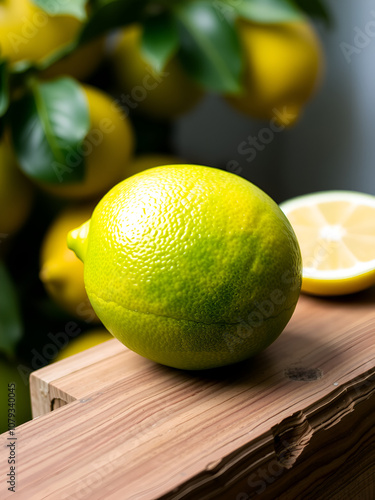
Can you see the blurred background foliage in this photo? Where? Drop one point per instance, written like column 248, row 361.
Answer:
column 89, row 93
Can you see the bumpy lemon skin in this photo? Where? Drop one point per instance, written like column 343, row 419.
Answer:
column 110, row 145
column 162, row 96
column 16, row 192
column 190, row 266
column 27, row 33
column 60, row 269
column 283, row 68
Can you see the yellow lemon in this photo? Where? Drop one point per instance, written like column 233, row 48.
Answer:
column 28, row 33
column 84, row 342
column 146, row 161
column 283, row 67
column 336, row 233
column 13, row 391
column 16, row 193
column 162, row 95
column 190, row 266
column 107, row 149
column 61, row 271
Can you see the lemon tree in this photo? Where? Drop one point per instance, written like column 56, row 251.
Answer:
column 336, row 233
column 110, row 136
column 164, row 94
column 190, row 266
column 73, row 141
column 75, row 138
column 283, row 67
column 29, row 33
column 80, row 64
column 16, row 193
column 60, row 270
column 166, row 58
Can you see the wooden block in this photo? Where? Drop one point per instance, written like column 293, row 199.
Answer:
column 45, row 388
column 294, row 422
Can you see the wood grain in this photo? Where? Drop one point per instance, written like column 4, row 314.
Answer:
column 294, row 422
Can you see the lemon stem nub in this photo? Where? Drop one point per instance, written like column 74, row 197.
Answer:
column 77, row 240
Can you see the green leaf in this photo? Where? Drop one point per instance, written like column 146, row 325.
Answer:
column 159, row 40
column 315, row 8
column 75, row 8
column 49, row 124
column 210, row 48
column 11, row 328
column 268, row 11
column 110, row 14
column 4, row 88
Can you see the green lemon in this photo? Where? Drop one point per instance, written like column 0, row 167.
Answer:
column 190, row 266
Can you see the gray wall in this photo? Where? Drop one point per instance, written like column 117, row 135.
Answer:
column 333, row 144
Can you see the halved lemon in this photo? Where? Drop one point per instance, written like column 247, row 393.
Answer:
column 336, row 234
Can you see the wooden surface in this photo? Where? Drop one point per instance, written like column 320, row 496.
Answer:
column 295, row 422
